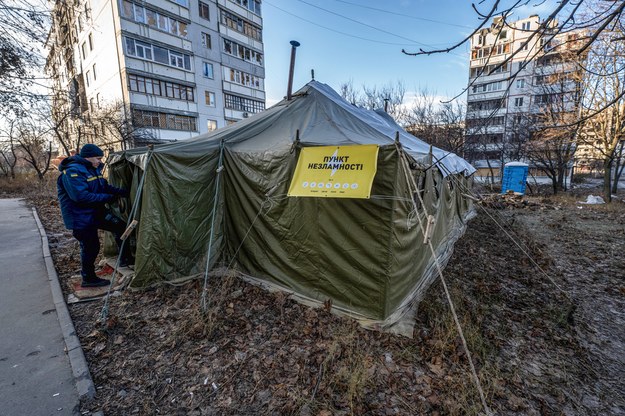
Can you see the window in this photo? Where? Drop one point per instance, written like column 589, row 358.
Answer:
column 159, row 120
column 212, row 125
column 520, row 83
column 92, row 104
column 203, row 8
column 486, row 105
column 242, row 52
column 518, row 102
column 158, row 54
column 207, row 70
column 491, row 86
column 503, row 34
column 183, row 3
column 143, row 50
column 206, row 40
column 209, row 98
column 484, row 122
column 90, row 42
column 240, row 25
column 88, row 78
column 251, row 5
column 543, row 99
column 489, row 69
column 83, row 49
column 501, row 49
column 139, row 14
column 243, row 78
column 152, row 86
column 526, row 25
column 176, row 59
column 234, row 102
column 87, row 11
column 153, row 19
column 95, row 76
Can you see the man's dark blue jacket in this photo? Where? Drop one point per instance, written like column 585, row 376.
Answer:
column 83, row 192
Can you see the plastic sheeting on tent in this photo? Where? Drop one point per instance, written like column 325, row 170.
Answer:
column 365, row 255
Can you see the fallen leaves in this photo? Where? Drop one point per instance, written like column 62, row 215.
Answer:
column 262, row 353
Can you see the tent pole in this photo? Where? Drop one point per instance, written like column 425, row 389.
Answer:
column 210, row 239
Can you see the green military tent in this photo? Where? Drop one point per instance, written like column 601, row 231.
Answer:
column 227, row 190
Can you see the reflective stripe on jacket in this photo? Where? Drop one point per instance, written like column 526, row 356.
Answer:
column 82, row 192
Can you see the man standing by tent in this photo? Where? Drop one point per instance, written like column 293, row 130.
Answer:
column 83, row 193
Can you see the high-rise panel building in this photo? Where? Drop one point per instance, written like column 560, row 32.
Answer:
column 176, row 68
column 520, row 74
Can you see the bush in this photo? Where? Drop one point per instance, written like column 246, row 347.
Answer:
column 28, row 185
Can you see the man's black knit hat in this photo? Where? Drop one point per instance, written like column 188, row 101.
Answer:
column 91, row 150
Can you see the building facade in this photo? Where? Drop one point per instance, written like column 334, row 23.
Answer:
column 522, row 77
column 172, row 69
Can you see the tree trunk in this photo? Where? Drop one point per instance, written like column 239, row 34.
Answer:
column 618, row 168
column 554, row 184
column 607, row 176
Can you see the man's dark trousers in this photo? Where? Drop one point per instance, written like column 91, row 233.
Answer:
column 90, row 243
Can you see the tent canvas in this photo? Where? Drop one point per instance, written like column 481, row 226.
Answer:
column 365, row 255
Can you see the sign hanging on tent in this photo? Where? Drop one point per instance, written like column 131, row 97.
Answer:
column 335, row 171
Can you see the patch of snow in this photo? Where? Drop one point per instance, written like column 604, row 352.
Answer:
column 592, row 200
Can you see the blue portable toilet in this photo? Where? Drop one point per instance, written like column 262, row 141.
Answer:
column 514, row 177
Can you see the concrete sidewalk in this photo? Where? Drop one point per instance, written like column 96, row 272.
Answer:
column 42, row 366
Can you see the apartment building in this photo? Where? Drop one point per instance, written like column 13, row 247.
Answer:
column 175, row 68
column 519, row 73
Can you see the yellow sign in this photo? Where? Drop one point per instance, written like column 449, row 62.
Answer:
column 335, row 171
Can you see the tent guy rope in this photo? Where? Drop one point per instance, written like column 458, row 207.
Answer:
column 405, row 167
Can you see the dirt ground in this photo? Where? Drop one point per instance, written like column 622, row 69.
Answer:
column 538, row 283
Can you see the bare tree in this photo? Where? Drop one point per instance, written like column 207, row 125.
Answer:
column 589, row 16
column 116, row 127
column 619, row 164
column 8, row 156
column 110, row 126
column 389, row 97
column 603, row 102
column 36, row 151
column 23, row 30
column 555, row 127
column 440, row 124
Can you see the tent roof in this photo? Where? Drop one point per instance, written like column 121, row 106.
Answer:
column 322, row 118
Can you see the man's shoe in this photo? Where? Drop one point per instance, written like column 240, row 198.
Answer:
column 97, row 282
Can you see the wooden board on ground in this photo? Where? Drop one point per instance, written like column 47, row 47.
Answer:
column 83, row 294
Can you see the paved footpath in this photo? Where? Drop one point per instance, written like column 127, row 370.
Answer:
column 42, row 366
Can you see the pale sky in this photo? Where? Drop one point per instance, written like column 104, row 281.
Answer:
column 370, row 53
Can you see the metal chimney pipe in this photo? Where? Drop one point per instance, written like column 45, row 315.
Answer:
column 294, row 45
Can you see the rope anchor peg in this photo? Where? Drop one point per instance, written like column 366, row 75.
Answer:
column 429, row 229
